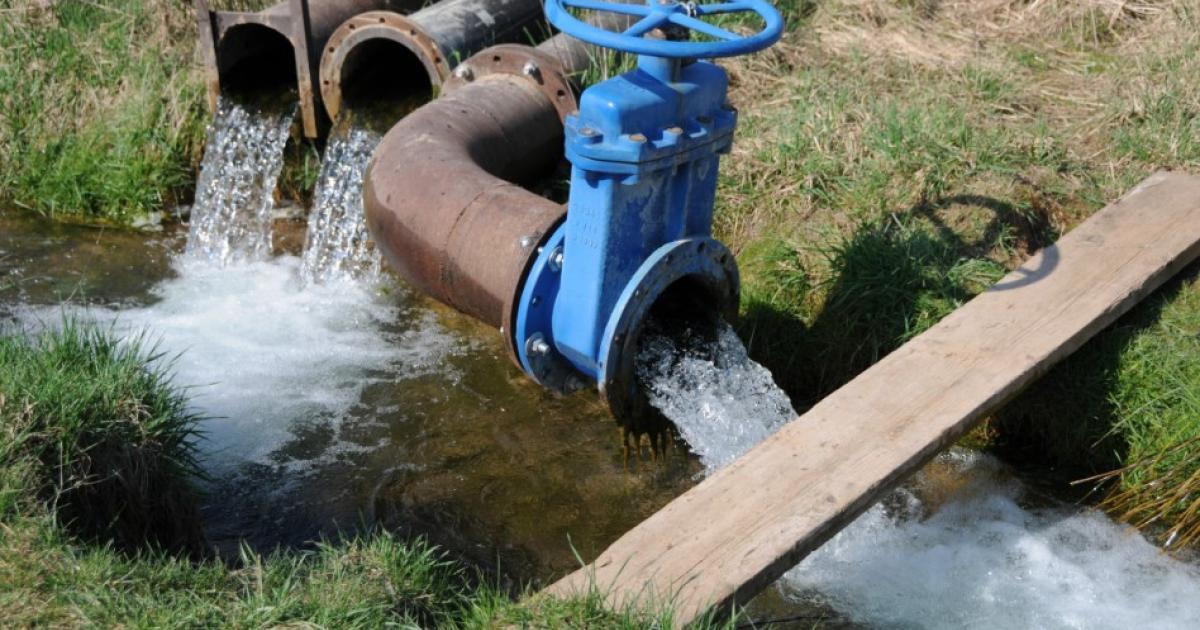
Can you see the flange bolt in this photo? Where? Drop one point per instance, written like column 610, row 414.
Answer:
column 539, row 346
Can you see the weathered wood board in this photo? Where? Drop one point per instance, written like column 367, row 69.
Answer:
column 742, row 528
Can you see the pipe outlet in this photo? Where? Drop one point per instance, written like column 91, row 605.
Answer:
column 383, row 56
column 276, row 49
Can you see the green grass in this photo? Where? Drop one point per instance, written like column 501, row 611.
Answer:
column 50, row 579
column 102, row 116
column 370, row 582
column 852, row 302
column 100, row 432
column 1129, row 403
column 98, row 519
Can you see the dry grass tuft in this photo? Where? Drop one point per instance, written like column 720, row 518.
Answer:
column 949, row 33
column 1170, row 502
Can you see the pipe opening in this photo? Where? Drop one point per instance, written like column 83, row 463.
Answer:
column 253, row 59
column 383, row 76
column 688, row 310
column 688, row 313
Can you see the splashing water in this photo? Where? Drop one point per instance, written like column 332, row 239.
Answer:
column 970, row 553
column 231, row 217
column 265, row 358
column 338, row 245
column 985, row 559
column 723, row 403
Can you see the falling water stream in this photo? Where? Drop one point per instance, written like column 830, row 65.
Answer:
column 964, row 545
column 337, row 244
column 722, row 402
column 231, row 216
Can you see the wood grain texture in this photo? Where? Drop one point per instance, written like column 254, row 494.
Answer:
column 742, row 528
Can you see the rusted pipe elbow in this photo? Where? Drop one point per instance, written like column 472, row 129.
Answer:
column 385, row 56
column 440, row 197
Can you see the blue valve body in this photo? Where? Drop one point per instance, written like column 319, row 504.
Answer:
column 644, row 151
column 644, row 155
column 631, row 193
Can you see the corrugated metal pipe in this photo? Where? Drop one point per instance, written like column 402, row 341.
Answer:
column 384, row 56
column 279, row 47
column 442, row 195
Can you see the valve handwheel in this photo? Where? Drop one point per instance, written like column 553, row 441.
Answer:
column 658, row 13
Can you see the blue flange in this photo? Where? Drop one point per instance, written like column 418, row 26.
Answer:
column 533, row 334
column 704, row 262
column 712, row 273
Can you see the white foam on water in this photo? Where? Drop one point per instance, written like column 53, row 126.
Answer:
column 982, row 560
column 338, row 245
column 266, row 358
column 973, row 555
column 231, row 216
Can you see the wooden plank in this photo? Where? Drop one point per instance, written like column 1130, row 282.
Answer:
column 739, row 530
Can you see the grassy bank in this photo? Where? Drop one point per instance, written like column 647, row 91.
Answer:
column 93, row 430
column 896, row 157
column 101, row 116
column 98, row 519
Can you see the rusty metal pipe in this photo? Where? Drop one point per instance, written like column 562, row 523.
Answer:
column 276, row 47
column 439, row 199
column 441, row 194
column 575, row 56
column 387, row 56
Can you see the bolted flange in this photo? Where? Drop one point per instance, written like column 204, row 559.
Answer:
column 515, row 60
column 374, row 25
column 712, row 272
column 532, row 332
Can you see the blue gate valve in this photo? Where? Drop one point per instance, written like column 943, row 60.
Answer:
column 644, row 149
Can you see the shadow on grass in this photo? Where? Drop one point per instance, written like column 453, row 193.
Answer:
column 818, row 325
column 887, row 282
column 1029, row 224
column 1069, row 421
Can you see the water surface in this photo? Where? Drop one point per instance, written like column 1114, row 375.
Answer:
column 963, row 544
column 349, row 404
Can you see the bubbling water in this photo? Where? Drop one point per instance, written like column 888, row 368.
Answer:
column 338, row 245
column 264, row 357
column 722, row 402
column 231, row 216
column 985, row 559
column 968, row 554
